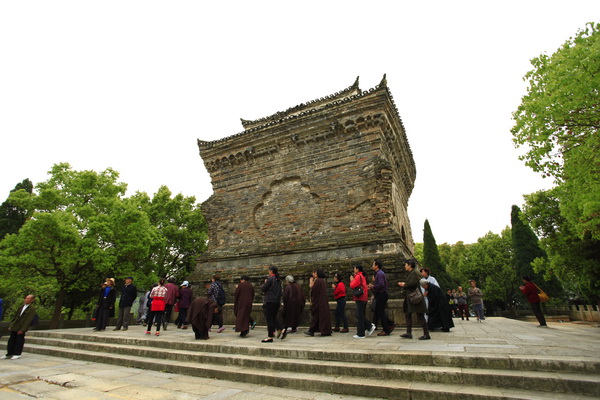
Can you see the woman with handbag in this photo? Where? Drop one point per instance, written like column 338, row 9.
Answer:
column 413, row 300
column 530, row 290
column 360, row 295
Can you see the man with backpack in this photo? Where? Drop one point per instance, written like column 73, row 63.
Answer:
column 217, row 294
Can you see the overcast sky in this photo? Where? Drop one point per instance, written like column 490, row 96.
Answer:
column 131, row 85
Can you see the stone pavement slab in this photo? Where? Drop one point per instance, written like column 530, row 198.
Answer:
column 59, row 378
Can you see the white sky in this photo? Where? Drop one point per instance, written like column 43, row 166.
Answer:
column 132, row 84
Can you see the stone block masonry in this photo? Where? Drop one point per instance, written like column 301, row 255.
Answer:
column 324, row 184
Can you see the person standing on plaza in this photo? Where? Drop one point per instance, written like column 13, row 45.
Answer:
column 357, row 281
column 440, row 315
column 157, row 306
column 380, row 289
column 184, row 302
column 243, row 299
column 461, row 303
column 128, row 295
column 106, row 304
column 18, row 327
column 170, row 300
column 530, row 290
column 271, row 303
column 339, row 294
column 476, row 296
column 293, row 306
column 411, row 284
column 216, row 293
column 319, row 305
column 143, row 308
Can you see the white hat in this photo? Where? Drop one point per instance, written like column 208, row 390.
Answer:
column 185, row 283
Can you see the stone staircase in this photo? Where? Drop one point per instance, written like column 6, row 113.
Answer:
column 389, row 375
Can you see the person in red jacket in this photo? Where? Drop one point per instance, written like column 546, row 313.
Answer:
column 530, row 291
column 359, row 280
column 339, row 294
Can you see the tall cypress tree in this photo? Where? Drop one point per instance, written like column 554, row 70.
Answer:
column 525, row 244
column 432, row 259
column 12, row 217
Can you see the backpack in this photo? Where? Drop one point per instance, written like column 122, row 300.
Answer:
column 220, row 294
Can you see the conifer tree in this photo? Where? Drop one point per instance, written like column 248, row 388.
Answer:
column 525, row 244
column 432, row 259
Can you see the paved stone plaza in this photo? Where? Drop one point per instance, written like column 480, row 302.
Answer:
column 37, row 376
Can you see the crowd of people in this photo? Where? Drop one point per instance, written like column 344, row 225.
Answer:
column 422, row 296
column 433, row 309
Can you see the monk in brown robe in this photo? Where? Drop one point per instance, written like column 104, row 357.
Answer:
column 293, row 305
column 242, row 305
column 200, row 315
column 319, row 305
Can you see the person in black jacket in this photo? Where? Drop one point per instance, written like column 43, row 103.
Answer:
column 128, row 295
column 106, row 304
column 272, row 291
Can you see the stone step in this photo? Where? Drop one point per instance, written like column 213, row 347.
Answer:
column 459, row 360
column 151, row 350
column 344, row 385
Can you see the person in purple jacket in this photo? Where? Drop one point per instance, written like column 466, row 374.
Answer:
column 185, row 300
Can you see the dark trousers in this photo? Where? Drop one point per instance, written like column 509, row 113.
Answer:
column 181, row 317
column 15, row 344
column 381, row 300
column 167, row 314
column 340, row 313
column 270, row 310
column 463, row 309
column 102, row 318
column 362, row 321
column 123, row 317
column 155, row 316
column 218, row 318
column 537, row 311
column 420, row 318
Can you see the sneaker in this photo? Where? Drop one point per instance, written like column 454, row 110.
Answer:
column 15, row 357
column 309, row 333
column 117, row 329
column 425, row 337
column 221, row 329
column 345, row 330
column 336, row 329
column 284, row 334
column 542, row 326
column 157, row 333
column 148, row 333
column 358, row 337
column 406, row 335
column 372, row 329
column 253, row 325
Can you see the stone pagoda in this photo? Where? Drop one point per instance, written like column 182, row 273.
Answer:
column 324, row 184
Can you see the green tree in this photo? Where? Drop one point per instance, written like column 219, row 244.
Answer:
column 432, row 260
column 557, row 122
column 13, row 217
column 180, row 233
column 489, row 261
column 525, row 244
column 574, row 260
column 80, row 231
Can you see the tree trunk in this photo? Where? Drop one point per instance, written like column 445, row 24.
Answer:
column 60, row 299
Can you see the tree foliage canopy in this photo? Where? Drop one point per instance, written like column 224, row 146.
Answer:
column 558, row 122
column 80, row 231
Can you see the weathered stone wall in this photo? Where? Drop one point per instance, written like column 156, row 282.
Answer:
column 322, row 185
